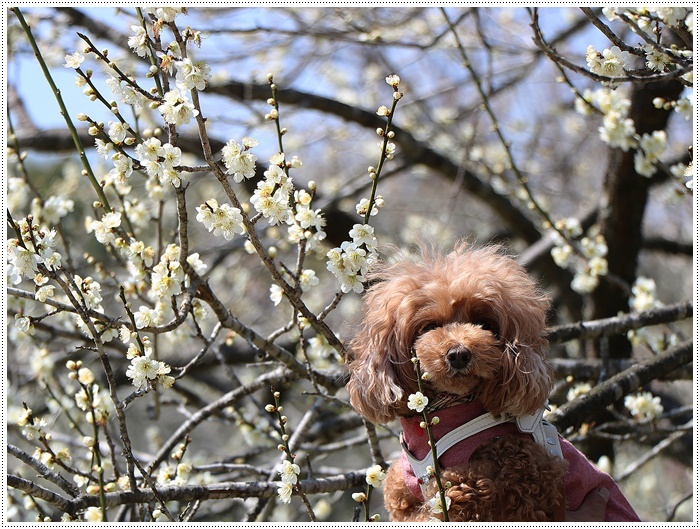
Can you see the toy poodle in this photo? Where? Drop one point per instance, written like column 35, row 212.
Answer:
column 475, row 321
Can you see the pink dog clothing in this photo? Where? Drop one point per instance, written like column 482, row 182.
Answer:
column 581, row 476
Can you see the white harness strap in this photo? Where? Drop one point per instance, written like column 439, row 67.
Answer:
column 544, row 433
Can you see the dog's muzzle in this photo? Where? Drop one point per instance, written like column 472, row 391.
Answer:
column 459, row 357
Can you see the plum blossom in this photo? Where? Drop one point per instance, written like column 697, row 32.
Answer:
column 22, row 262
column 144, row 371
column 74, row 61
column 105, row 229
column 375, row 475
column 139, row 41
column 644, row 406
column 221, row 219
column 612, row 62
column 149, row 150
column 167, row 278
column 122, row 170
column 192, row 74
column 238, row 159
column 272, row 196
column 349, row 264
column 117, row 131
column 55, row 208
column 643, row 295
column 284, row 492
column 146, row 317
column 289, row 472
column 436, row 503
column 363, row 234
column 617, row 131
column 417, row 401
column 24, row 324
column 176, row 108
column 585, row 282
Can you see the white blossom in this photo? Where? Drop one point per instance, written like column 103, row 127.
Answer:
column 22, row 262
column 143, row 370
column 43, row 293
column 149, row 150
column 617, row 131
column 375, row 475
column 584, row 282
column 653, row 145
column 239, row 161
column 644, row 406
column 643, row 295
column 577, row 391
column 289, row 472
column 117, row 131
column 146, row 317
column 74, row 61
column 192, row 74
column 139, row 41
column 307, row 279
column 417, row 401
column 436, row 503
column 276, row 294
column 176, row 108
column 24, row 325
column 612, row 62
column 123, row 168
column 363, row 234
column 284, row 492
column 221, row 219
column 55, row 208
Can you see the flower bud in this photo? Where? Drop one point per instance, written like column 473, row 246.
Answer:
column 359, row 497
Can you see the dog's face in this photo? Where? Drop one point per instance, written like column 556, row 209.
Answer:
column 474, row 319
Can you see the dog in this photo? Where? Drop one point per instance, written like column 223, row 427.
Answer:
column 474, row 320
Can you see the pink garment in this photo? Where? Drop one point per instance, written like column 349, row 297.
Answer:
column 581, row 477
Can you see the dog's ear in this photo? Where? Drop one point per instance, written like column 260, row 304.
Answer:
column 380, row 366
column 373, row 386
column 525, row 382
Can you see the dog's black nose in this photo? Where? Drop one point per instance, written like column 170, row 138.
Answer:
column 459, row 357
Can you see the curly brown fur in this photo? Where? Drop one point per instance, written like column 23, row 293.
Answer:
column 476, row 321
column 507, row 480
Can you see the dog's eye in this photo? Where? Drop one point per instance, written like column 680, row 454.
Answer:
column 428, row 327
column 486, row 325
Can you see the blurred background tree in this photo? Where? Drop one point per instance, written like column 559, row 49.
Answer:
column 167, row 266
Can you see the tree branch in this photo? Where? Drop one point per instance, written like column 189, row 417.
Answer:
column 620, row 324
column 576, row 412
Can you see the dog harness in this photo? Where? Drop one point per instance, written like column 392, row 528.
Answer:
column 463, row 439
column 544, row 433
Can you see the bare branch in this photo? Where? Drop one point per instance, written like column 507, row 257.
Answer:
column 620, row 324
column 576, row 412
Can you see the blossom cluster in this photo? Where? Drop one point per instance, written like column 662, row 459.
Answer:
column 617, row 129
column 644, row 406
column 643, row 295
column 351, row 262
column 160, row 160
column 289, row 474
column 585, row 255
column 612, row 62
column 144, row 370
column 224, row 219
column 38, row 246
